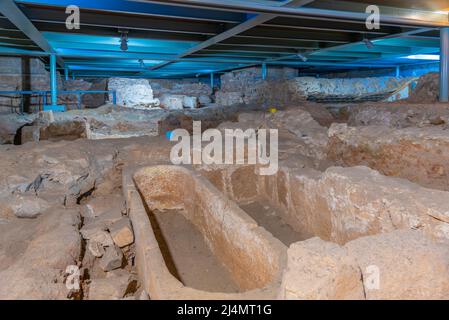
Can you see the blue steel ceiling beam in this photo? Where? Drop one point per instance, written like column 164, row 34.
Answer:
column 109, row 54
column 247, row 25
column 156, row 49
column 136, row 63
column 361, row 48
column 184, row 44
column 336, row 26
column 10, row 10
column 348, row 53
column 19, row 46
column 105, row 54
column 6, row 51
column 384, row 41
column 394, row 36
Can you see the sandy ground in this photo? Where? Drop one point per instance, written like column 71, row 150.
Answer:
column 268, row 217
column 187, row 255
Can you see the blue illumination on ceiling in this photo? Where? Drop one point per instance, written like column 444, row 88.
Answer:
column 434, row 57
column 95, row 54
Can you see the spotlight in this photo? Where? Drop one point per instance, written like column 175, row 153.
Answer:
column 302, row 57
column 368, row 43
column 123, row 40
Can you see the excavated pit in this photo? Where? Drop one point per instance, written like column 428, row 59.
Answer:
column 244, row 186
column 225, row 239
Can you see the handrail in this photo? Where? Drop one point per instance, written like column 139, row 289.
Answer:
column 45, row 93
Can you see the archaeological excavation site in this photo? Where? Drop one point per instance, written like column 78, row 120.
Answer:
column 224, row 150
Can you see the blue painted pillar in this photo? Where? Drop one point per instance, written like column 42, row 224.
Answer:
column 444, row 64
column 398, row 72
column 66, row 74
column 53, row 80
column 264, row 71
column 212, row 82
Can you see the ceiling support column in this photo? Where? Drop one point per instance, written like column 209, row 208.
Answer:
column 53, row 80
column 444, row 64
column 264, row 71
column 53, row 86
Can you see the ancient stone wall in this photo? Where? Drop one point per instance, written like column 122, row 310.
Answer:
column 190, row 87
column 247, row 87
column 72, row 101
column 22, row 74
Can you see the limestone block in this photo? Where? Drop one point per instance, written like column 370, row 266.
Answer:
column 112, row 259
column 402, row 265
column 122, row 233
column 30, row 134
column 319, row 270
column 102, row 205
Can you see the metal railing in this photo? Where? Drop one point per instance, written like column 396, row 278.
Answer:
column 43, row 97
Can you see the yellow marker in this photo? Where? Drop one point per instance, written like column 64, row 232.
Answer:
column 272, row 110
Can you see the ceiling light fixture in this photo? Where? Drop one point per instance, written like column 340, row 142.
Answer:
column 368, row 43
column 123, row 40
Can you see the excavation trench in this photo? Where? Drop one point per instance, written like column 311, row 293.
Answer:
column 249, row 190
column 193, row 242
